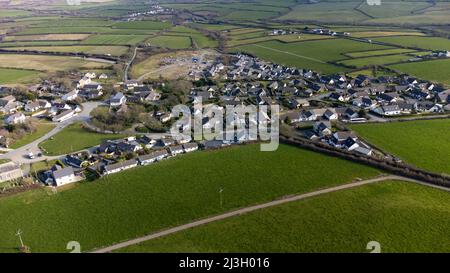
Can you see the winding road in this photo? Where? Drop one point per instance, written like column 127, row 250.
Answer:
column 19, row 155
column 258, row 207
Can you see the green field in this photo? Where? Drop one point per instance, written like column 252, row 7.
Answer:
column 74, row 138
column 172, row 42
column 41, row 130
column 378, row 52
column 114, row 40
column 431, row 43
column 437, row 70
column 424, row 144
column 16, row 75
column 113, row 50
column 156, row 25
column 377, row 60
column 309, row 54
column 172, row 192
column 343, row 221
column 13, row 13
column 84, row 29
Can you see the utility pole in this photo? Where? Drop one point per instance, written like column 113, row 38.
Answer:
column 19, row 234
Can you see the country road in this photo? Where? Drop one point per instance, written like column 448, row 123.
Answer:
column 19, row 155
column 257, row 207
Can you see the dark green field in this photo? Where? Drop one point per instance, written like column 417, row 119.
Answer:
column 425, row 143
column 402, row 217
column 173, row 192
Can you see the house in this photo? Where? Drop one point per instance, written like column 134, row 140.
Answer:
column 16, row 118
column 336, row 97
column 190, row 147
column 120, row 166
column 387, row 110
column 146, row 141
column 75, row 161
column 330, row 114
column 338, row 139
column 117, row 100
column 309, row 134
column 153, row 157
column 72, row 95
column 85, row 80
column 65, row 115
column 6, row 100
column 358, row 146
column 444, row 96
column 165, row 142
column 10, row 171
column 63, row 176
column 322, row 128
column 103, row 76
column 389, row 97
column 174, row 150
column 32, row 106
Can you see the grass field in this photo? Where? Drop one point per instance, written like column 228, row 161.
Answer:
column 113, row 50
column 421, row 143
column 309, row 54
column 47, row 37
column 85, row 29
column 47, row 63
column 367, row 34
column 377, row 60
column 8, row 76
column 74, row 138
column 114, row 40
column 13, row 13
column 343, row 221
column 172, row 192
column 437, row 70
column 172, row 42
column 378, row 52
column 156, row 25
column 42, row 129
column 431, row 43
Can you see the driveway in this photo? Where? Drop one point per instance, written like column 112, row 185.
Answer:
column 19, row 155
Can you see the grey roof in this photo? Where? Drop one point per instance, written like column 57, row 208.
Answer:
column 190, row 145
column 63, row 172
column 153, row 155
column 119, row 165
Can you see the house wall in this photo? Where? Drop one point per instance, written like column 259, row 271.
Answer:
column 11, row 175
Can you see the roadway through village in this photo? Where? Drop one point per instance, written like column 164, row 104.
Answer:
column 258, row 207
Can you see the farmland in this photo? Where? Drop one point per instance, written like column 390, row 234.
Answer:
column 105, row 50
column 169, row 193
column 114, row 40
column 431, row 43
column 172, row 42
column 343, row 221
column 378, row 52
column 47, row 63
column 424, row 144
column 377, row 60
column 74, row 138
column 309, row 54
column 8, row 76
column 436, row 70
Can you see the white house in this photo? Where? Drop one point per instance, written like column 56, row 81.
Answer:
column 388, row 110
column 15, row 118
column 117, row 167
column 117, row 100
column 72, row 95
column 190, row 147
column 63, row 176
